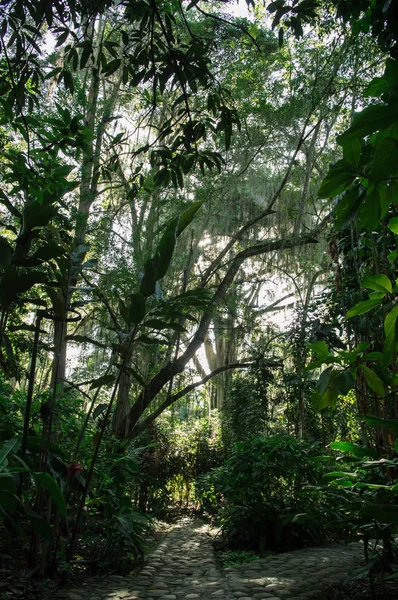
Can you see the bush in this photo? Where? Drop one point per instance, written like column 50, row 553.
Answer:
column 266, row 495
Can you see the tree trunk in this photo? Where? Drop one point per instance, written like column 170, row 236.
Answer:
column 168, row 372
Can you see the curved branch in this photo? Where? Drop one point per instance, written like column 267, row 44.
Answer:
column 171, row 399
column 177, row 366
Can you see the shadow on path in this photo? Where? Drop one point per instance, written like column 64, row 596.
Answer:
column 183, row 567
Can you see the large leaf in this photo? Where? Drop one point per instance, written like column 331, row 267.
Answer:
column 371, row 119
column 100, row 381
column 348, row 206
column 393, row 225
column 148, row 282
column 378, row 422
column 157, row 266
column 10, row 446
column 319, row 348
column 352, row 150
column 384, row 162
column 136, row 308
column 133, row 309
column 340, row 475
column 370, row 212
column 39, row 524
column 357, row 451
column 323, row 381
column 390, row 331
column 344, row 382
column 363, row 307
column 159, row 325
column 373, row 380
column 37, row 444
column 13, row 283
column 49, row 483
column 37, row 215
column 327, row 392
column 165, row 251
column 187, row 217
column 8, row 499
column 84, row 339
column 339, row 179
column 379, row 283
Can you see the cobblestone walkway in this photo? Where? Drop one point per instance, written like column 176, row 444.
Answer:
column 183, row 567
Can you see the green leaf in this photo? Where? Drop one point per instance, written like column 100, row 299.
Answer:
column 84, row 339
column 136, row 309
column 391, row 72
column 157, row 267
column 165, row 251
column 159, row 325
column 373, row 380
column 12, row 446
column 348, row 206
column 371, row 119
column 48, row 252
column 319, row 348
column 370, row 210
column 37, row 215
column 336, row 181
column 354, row 449
column 145, row 339
column 49, row 483
column 104, row 380
column 378, row 422
column 379, row 283
column 39, row 444
column 148, row 283
column 390, row 331
column 393, row 225
column 39, row 524
column 344, row 382
column 352, row 151
column 62, row 38
column 112, row 66
column 86, row 53
column 323, row 381
column 187, row 217
column 68, row 80
column 362, row 308
column 340, row 474
column 327, row 393
column 377, row 295
column 8, row 498
column 384, row 163
column 376, row 87
column 13, row 283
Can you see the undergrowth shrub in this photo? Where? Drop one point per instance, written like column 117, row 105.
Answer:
column 266, row 495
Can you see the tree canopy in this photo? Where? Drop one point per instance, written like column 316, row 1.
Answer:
column 194, row 206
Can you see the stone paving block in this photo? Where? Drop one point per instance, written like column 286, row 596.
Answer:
column 183, row 567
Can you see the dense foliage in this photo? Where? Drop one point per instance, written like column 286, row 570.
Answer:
column 197, row 274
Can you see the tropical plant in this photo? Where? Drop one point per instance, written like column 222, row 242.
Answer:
column 266, row 495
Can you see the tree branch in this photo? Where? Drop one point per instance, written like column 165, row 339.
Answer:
column 171, row 399
column 177, row 366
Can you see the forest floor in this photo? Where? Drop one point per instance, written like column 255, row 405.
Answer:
column 182, row 566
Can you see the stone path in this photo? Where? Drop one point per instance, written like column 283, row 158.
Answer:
column 183, row 568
